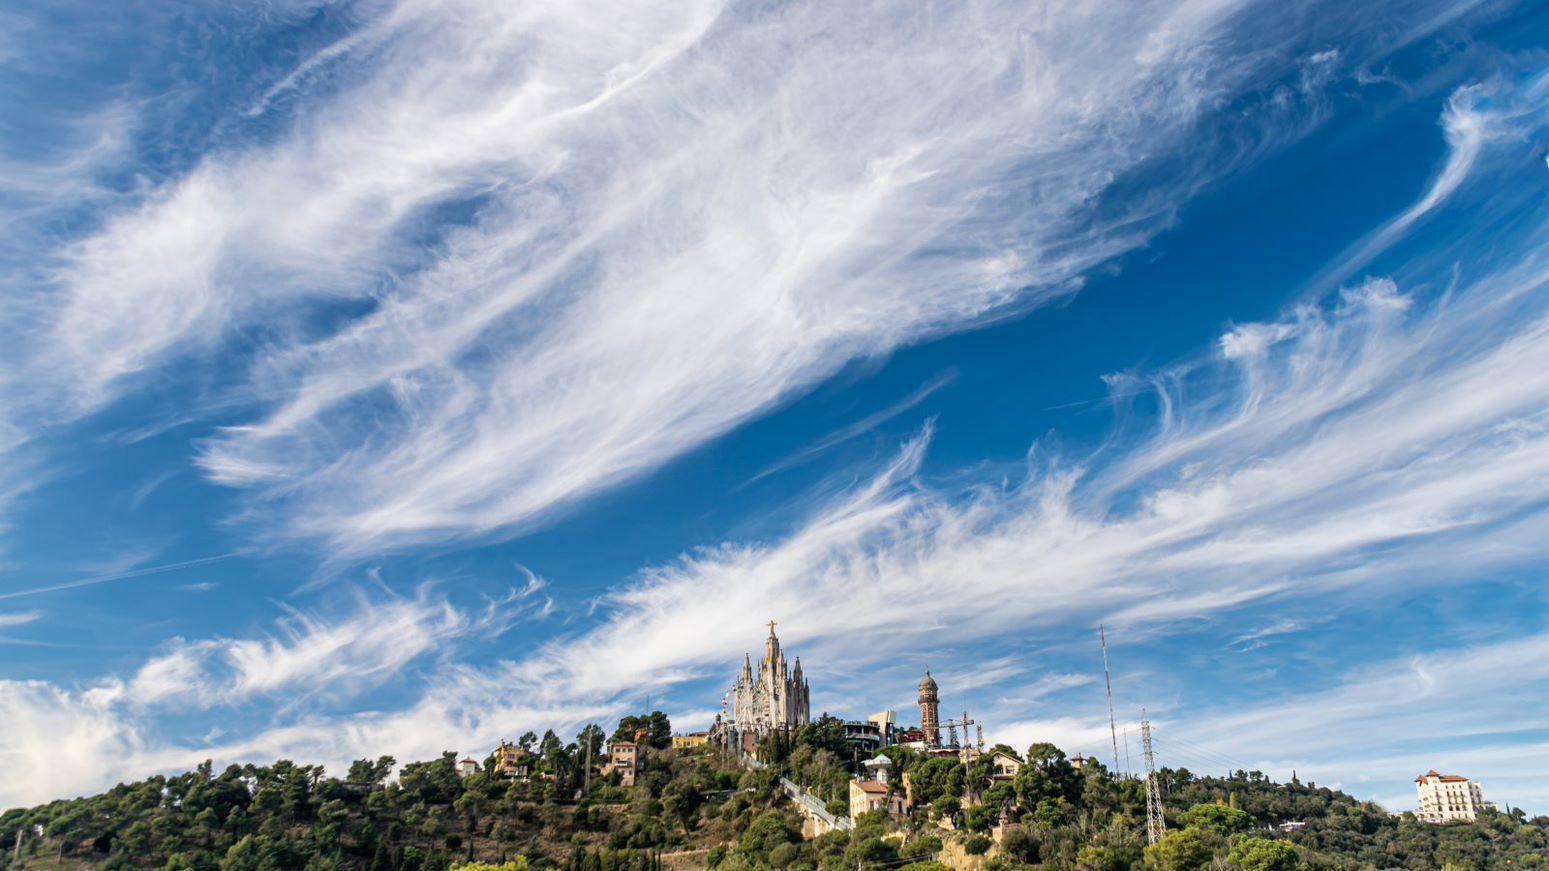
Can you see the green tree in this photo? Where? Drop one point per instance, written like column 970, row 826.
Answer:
column 373, row 773
column 1221, row 818
column 1262, row 854
column 654, row 730
column 824, row 733
column 1183, row 850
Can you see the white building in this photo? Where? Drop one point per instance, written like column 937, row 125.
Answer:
column 1446, row 798
column 885, row 722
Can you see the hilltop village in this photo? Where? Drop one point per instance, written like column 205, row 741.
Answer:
column 771, row 704
column 770, row 709
column 933, row 767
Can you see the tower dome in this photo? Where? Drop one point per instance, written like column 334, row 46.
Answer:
column 928, row 685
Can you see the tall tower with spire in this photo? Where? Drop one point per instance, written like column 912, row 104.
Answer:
column 930, row 718
column 776, row 696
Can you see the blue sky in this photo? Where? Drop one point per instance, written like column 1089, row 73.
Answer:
column 391, row 377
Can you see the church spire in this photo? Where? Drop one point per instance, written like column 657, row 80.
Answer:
column 771, row 696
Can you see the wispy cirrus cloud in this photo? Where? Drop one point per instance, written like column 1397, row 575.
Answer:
column 670, row 220
column 12, row 619
column 19, row 618
column 310, row 655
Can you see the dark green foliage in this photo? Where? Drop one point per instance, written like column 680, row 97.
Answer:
column 977, row 845
column 287, row 816
column 290, row 817
column 1221, row 818
column 656, row 729
column 1182, row 850
column 1262, row 854
column 825, row 733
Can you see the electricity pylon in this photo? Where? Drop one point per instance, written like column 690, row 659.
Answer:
column 1155, row 827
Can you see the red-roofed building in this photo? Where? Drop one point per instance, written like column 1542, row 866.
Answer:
column 867, row 796
column 1446, row 798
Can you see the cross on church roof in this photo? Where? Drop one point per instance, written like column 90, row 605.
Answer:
column 771, row 627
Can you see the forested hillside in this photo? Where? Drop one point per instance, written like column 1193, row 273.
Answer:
column 703, row 808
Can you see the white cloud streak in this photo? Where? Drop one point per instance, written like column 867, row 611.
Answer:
column 18, row 618
column 309, row 655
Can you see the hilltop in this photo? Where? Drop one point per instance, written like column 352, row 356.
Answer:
column 704, row 807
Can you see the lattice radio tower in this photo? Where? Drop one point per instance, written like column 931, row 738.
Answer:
column 1108, row 683
column 1155, row 827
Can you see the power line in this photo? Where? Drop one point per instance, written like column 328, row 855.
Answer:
column 1202, row 763
column 1198, row 751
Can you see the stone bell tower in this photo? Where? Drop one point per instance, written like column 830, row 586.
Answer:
column 930, row 721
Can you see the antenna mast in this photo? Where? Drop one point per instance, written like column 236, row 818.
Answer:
column 1108, row 683
column 1155, row 827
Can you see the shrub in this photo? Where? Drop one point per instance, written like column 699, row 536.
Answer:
column 977, row 845
column 925, row 845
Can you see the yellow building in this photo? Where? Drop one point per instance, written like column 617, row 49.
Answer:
column 691, row 741
column 511, row 761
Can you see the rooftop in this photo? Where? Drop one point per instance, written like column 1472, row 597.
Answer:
column 1444, row 778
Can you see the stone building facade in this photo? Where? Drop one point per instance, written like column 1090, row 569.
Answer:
column 772, row 698
column 623, row 757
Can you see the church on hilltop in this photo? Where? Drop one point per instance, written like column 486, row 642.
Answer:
column 772, row 699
